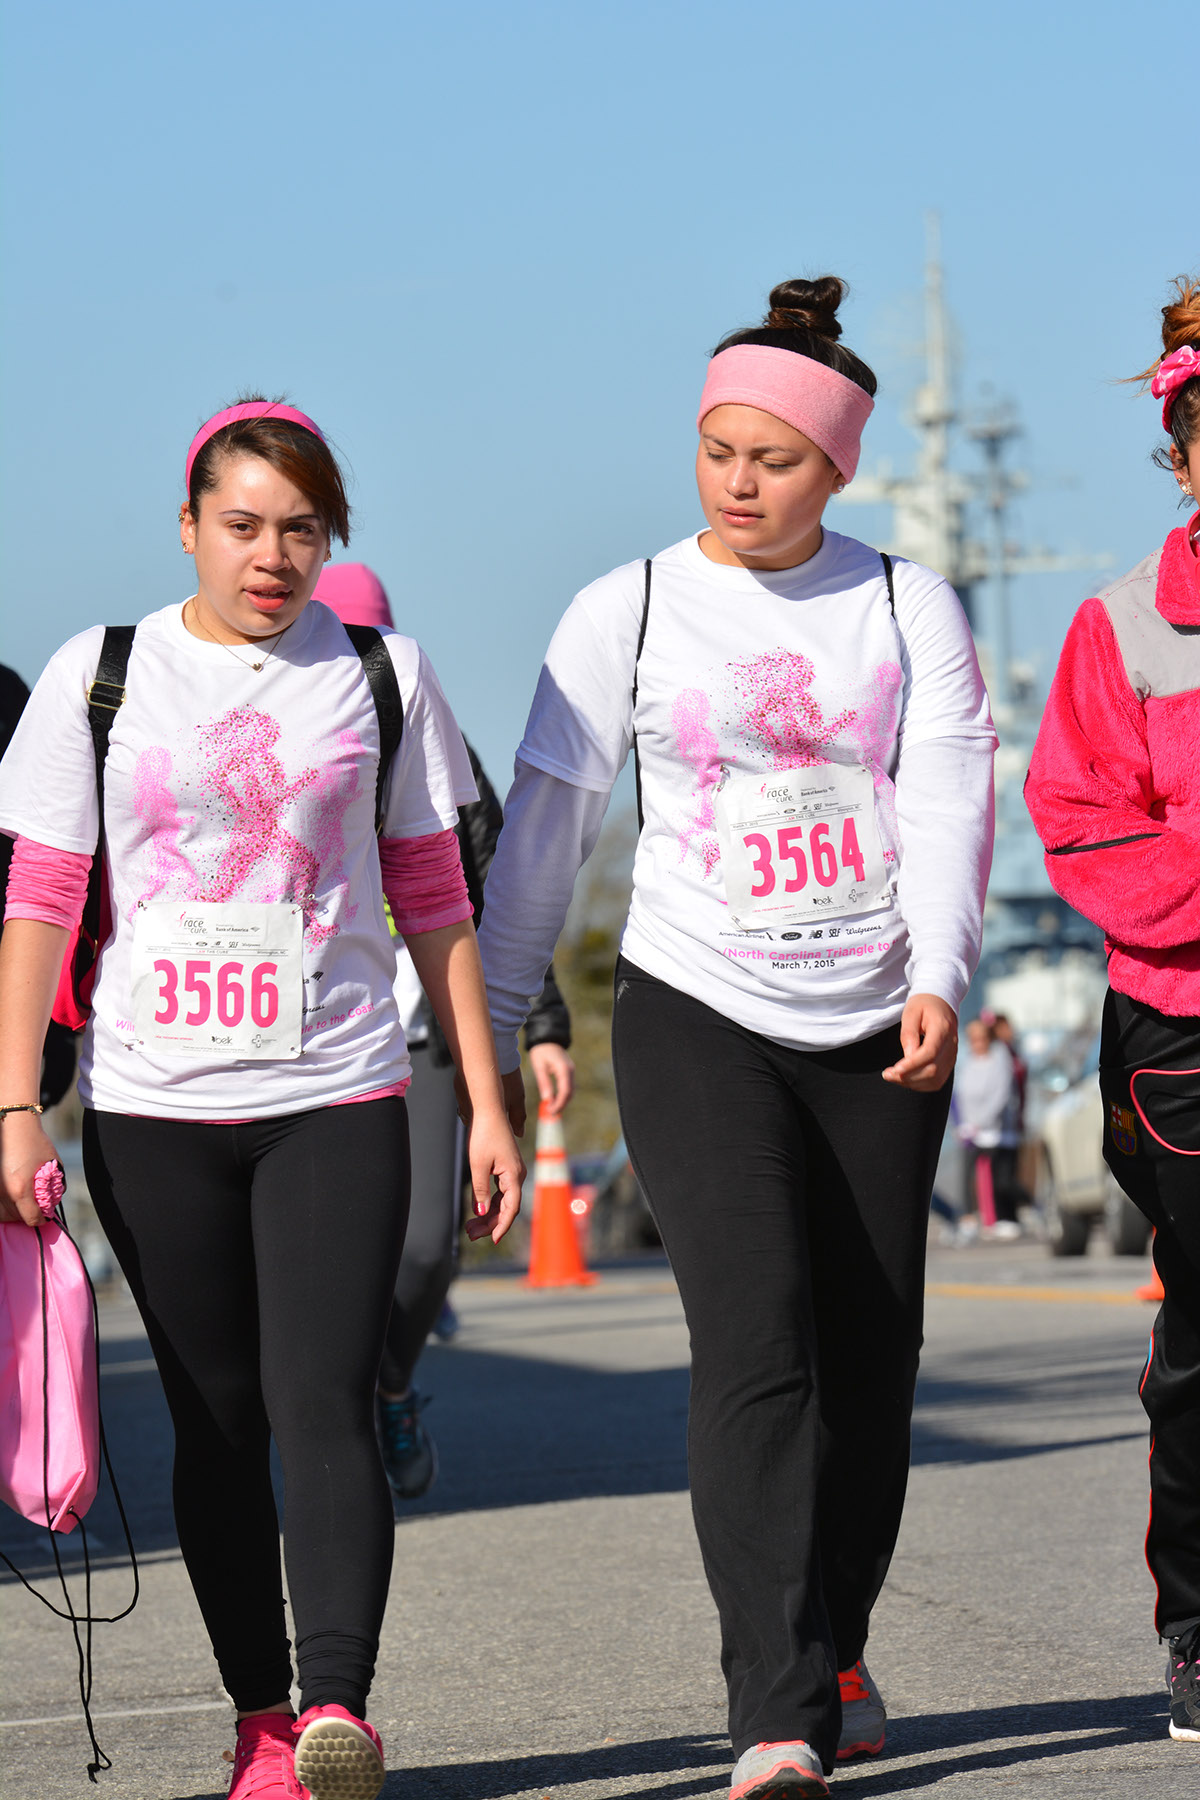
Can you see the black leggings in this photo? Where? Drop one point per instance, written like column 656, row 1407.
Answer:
column 792, row 1192
column 262, row 1258
column 1163, row 1179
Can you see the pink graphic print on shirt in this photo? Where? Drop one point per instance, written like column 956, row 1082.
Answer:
column 242, row 779
column 771, row 714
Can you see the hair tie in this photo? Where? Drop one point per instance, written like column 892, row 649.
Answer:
column 827, row 407
column 248, row 409
column 1182, row 365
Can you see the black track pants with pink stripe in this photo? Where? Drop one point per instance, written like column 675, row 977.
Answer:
column 792, row 1192
column 1150, row 1083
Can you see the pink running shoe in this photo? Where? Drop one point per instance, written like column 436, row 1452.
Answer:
column 338, row 1757
column 864, row 1716
column 264, row 1761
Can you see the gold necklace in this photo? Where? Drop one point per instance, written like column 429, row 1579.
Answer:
column 258, row 667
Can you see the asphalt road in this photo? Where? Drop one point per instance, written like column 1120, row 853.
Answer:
column 549, row 1628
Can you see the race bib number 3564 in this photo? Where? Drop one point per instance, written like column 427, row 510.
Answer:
column 800, row 845
column 218, row 980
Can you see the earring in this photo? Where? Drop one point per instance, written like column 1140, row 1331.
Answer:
column 1185, row 488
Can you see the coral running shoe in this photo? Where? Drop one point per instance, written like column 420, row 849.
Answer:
column 264, row 1761
column 1183, row 1685
column 864, row 1715
column 778, row 1772
column 338, row 1757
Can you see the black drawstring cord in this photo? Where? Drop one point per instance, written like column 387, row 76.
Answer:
column 87, row 1619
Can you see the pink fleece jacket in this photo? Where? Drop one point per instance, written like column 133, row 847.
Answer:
column 1114, row 781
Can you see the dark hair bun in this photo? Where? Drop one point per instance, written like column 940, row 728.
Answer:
column 813, row 304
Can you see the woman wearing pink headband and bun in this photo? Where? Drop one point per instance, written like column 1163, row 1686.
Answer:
column 258, row 776
column 1113, row 793
column 814, row 754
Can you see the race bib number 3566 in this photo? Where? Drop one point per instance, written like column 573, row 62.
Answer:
column 218, row 980
column 800, row 845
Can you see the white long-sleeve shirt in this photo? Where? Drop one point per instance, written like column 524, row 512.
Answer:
column 752, row 674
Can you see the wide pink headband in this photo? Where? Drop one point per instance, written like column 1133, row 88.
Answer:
column 1170, row 376
column 249, row 409
column 827, row 407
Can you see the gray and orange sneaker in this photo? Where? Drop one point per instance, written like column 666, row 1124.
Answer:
column 785, row 1771
column 338, row 1757
column 864, row 1716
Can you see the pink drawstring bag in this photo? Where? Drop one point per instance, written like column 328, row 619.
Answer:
column 49, row 1401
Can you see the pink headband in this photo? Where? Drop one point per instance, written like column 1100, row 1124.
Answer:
column 250, row 409
column 827, row 407
column 1170, row 376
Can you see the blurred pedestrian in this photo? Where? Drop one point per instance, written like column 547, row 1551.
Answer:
column 1112, row 789
column 430, row 1257
column 984, row 1091
column 813, row 752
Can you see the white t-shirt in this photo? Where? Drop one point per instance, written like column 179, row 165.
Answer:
column 749, row 673
column 223, row 785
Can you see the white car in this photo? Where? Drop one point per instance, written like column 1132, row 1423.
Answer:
column 1076, row 1188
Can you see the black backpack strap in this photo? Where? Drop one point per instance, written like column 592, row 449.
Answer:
column 637, row 761
column 106, row 696
column 380, row 672
column 891, row 585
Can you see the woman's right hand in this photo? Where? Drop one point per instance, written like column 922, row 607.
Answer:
column 24, row 1147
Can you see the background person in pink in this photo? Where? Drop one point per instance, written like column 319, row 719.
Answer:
column 243, row 1068
column 356, row 594
column 814, row 753
column 1112, row 790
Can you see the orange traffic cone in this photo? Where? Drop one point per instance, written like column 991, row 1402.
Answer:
column 1153, row 1289
column 554, row 1255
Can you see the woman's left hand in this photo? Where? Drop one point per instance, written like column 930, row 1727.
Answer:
column 497, row 1171
column 929, row 1040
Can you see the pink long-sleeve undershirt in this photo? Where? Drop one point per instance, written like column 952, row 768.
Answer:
column 45, row 884
column 424, row 882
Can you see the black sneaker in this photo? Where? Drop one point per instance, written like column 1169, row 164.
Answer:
column 1183, row 1685
column 409, row 1453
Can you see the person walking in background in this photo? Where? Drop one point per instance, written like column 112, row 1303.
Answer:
column 1112, row 791
column 814, row 757
column 242, row 1072
column 984, row 1091
column 430, row 1258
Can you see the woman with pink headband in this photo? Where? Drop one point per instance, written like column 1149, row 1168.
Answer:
column 257, row 777
column 814, row 758
column 1112, row 790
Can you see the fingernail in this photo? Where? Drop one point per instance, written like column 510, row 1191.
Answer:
column 481, row 1207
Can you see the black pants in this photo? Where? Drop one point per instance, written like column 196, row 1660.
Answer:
column 430, row 1257
column 1007, row 1193
column 1162, row 1178
column 792, row 1192
column 262, row 1258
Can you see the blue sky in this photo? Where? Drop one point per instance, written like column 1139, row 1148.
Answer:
column 489, row 248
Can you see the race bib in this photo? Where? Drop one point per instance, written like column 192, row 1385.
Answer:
column 800, row 845
column 213, row 980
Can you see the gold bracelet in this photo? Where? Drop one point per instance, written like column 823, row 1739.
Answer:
column 25, row 1106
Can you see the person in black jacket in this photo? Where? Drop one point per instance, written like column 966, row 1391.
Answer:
column 430, row 1257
